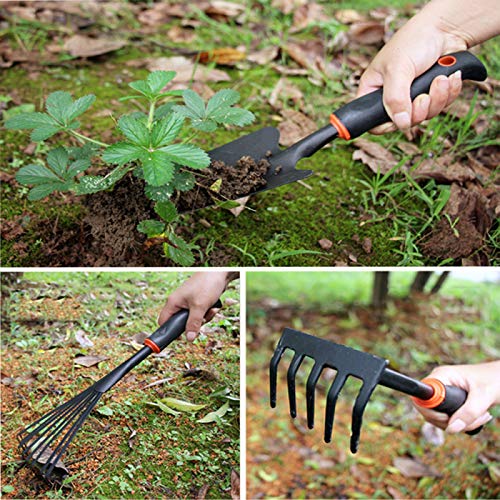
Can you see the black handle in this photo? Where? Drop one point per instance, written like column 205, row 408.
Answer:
column 454, row 398
column 171, row 330
column 366, row 112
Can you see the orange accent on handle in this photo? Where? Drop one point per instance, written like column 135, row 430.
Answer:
column 438, row 396
column 152, row 346
column 341, row 128
column 447, row 61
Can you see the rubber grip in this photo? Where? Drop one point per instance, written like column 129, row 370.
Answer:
column 171, row 329
column 366, row 112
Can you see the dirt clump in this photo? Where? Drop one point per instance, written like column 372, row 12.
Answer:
column 237, row 180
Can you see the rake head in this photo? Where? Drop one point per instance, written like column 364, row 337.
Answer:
column 43, row 442
column 346, row 361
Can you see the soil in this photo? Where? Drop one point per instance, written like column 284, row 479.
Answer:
column 238, row 180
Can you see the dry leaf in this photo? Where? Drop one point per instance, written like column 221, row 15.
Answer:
column 367, row 32
column 442, row 171
column 306, row 53
column 186, row 70
column 307, row 14
column 264, row 56
column 283, row 92
column 202, row 492
column 374, row 155
column 235, row 485
column 432, row 434
column 82, row 339
column 84, row 46
column 349, row 16
column 89, row 361
column 242, row 203
column 294, row 127
column 180, row 35
column 226, row 56
column 410, row 467
column 224, row 8
column 160, row 13
column 287, row 6
column 325, row 244
column 367, row 245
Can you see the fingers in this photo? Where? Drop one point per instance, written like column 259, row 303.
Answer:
column 434, row 417
column 195, row 320
column 475, row 409
column 168, row 310
column 396, row 95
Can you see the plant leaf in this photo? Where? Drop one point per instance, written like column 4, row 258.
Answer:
column 178, row 250
column 159, row 193
column 36, row 174
column 164, row 407
column 142, row 87
column 233, row 116
column 158, row 167
column 135, row 130
column 76, row 167
column 214, row 416
column 163, row 110
column 58, row 160
column 42, row 133
column 122, row 152
column 194, row 103
column 187, row 155
column 105, row 410
column 185, row 406
column 158, row 79
column 222, row 99
column 165, row 130
column 43, row 190
column 151, row 227
column 166, row 210
column 183, row 181
column 80, row 106
column 30, row 120
column 89, row 184
column 58, row 104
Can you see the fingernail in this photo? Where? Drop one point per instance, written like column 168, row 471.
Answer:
column 457, row 426
column 456, row 76
column 191, row 336
column 424, row 101
column 402, row 120
column 442, row 82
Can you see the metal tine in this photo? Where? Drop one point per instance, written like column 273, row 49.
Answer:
column 310, row 389
column 290, row 376
column 357, row 413
column 273, row 373
column 71, row 433
column 331, row 402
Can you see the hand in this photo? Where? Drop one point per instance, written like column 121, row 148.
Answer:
column 197, row 294
column 482, row 384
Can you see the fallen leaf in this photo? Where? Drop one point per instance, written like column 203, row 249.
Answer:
column 180, row 35
column 294, row 127
column 443, row 170
column 186, row 70
column 224, row 8
column 307, row 14
column 366, row 32
column 225, row 56
column 410, row 467
column 84, row 46
column 374, row 155
column 163, row 407
column 105, row 410
column 42, row 456
column 89, row 361
column 432, row 434
column 241, row 206
column 367, row 245
column 82, row 339
column 202, row 492
column 409, row 148
column 131, row 439
column 306, row 53
column 11, row 230
column 349, row 16
column 235, row 485
column 285, row 91
column 325, row 244
column 214, row 416
column 264, row 56
column 184, row 406
column 287, row 6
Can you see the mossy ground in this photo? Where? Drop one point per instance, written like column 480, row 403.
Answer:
column 280, row 227
column 169, row 456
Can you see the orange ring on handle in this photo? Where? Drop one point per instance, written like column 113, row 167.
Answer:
column 341, row 128
column 152, row 346
column 447, row 61
column 437, row 398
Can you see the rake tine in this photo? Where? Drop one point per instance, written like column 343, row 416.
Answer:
column 273, row 373
column 331, row 402
column 310, row 387
column 290, row 376
column 357, row 413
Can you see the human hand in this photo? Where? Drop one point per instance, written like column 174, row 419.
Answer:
column 482, row 384
column 196, row 294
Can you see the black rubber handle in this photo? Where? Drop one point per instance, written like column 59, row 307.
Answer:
column 454, row 398
column 171, row 329
column 368, row 111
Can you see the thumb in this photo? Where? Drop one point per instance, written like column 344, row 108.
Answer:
column 194, row 322
column 169, row 310
column 474, row 409
column 396, row 95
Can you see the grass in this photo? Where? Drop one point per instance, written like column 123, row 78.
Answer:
column 127, row 448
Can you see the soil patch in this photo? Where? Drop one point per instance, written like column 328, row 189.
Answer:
column 236, row 181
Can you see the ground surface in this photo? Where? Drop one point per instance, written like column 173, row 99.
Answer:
column 292, row 70
column 127, row 448
column 286, row 460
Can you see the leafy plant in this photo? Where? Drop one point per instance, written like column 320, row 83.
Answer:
column 156, row 148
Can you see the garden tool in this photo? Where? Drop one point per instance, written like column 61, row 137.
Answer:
column 348, row 122
column 348, row 362
column 43, row 442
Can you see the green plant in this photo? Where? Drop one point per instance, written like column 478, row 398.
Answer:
column 156, row 149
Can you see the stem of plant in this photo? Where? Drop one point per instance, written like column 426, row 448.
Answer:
column 151, row 114
column 88, row 139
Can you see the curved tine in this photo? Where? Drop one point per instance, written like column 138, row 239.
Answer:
column 48, row 418
column 357, row 414
column 290, row 377
column 63, row 421
column 331, row 402
column 273, row 374
column 66, row 441
column 310, row 387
